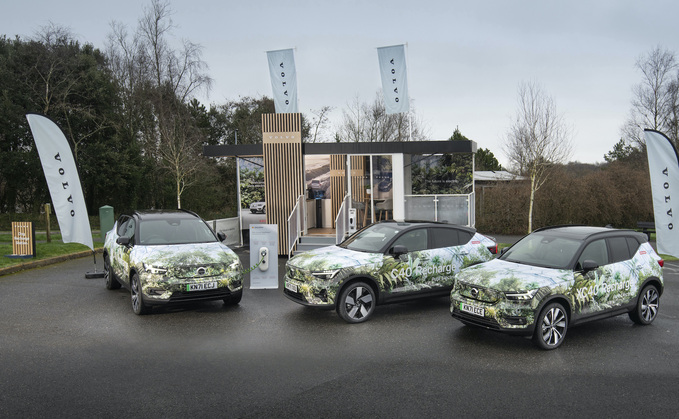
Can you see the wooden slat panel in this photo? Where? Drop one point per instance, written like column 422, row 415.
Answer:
column 283, row 170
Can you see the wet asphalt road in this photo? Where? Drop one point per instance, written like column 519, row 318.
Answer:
column 71, row 348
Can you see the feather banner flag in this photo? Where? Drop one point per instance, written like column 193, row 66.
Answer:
column 394, row 78
column 663, row 166
column 283, row 80
column 62, row 180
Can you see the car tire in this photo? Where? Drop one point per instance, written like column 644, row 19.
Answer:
column 111, row 281
column 551, row 327
column 234, row 298
column 647, row 306
column 138, row 306
column 356, row 302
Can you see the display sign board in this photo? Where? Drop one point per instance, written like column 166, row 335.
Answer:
column 264, row 251
column 23, row 239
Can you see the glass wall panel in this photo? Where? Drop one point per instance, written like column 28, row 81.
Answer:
column 420, row 208
column 453, row 209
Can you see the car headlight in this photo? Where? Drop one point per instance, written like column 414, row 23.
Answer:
column 521, row 295
column 155, row 269
column 325, row 275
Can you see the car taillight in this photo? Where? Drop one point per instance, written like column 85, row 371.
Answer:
column 493, row 249
column 661, row 263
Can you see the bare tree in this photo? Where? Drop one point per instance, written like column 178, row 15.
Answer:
column 319, row 122
column 60, row 84
column 537, row 140
column 654, row 104
column 370, row 122
column 158, row 82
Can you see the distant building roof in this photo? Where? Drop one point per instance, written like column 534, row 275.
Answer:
column 495, row 176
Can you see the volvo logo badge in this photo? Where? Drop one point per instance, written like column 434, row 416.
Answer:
column 200, row 271
column 475, row 292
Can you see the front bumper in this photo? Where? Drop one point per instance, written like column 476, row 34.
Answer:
column 176, row 290
column 308, row 294
column 513, row 317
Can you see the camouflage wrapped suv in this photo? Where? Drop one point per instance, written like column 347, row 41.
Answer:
column 560, row 276
column 167, row 257
column 384, row 262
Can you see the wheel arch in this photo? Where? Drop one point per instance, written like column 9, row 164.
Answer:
column 361, row 278
column 558, row 298
column 652, row 280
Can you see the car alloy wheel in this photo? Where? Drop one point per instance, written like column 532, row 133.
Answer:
column 647, row 307
column 551, row 327
column 111, row 282
column 356, row 303
column 138, row 305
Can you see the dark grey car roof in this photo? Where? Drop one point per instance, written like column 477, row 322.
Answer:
column 418, row 223
column 585, row 232
column 164, row 214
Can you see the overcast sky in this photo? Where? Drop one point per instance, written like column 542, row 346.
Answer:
column 465, row 58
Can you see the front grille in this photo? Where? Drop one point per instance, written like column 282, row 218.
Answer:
column 486, row 295
column 215, row 294
column 191, row 271
column 295, row 295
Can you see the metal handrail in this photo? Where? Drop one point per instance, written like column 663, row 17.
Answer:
column 294, row 230
column 342, row 220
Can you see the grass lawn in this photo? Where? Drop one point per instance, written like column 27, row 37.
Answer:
column 43, row 250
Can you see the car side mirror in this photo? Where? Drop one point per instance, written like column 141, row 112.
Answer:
column 398, row 250
column 504, row 250
column 589, row 265
column 221, row 236
column 123, row 241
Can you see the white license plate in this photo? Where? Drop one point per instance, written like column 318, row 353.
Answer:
column 291, row 287
column 201, row 286
column 468, row 308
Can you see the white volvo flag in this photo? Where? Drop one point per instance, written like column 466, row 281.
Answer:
column 283, row 80
column 663, row 166
column 62, row 179
column 394, row 78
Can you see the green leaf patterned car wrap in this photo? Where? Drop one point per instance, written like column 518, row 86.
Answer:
column 317, row 277
column 169, row 270
column 174, row 256
column 508, row 294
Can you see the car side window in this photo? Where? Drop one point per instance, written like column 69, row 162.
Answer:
column 596, row 251
column 444, row 237
column 126, row 229
column 619, row 249
column 448, row 237
column 413, row 240
column 122, row 225
column 633, row 245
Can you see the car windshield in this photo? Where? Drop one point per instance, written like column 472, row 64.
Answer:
column 543, row 250
column 174, row 231
column 372, row 239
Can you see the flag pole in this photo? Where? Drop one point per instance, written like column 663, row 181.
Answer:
column 95, row 274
